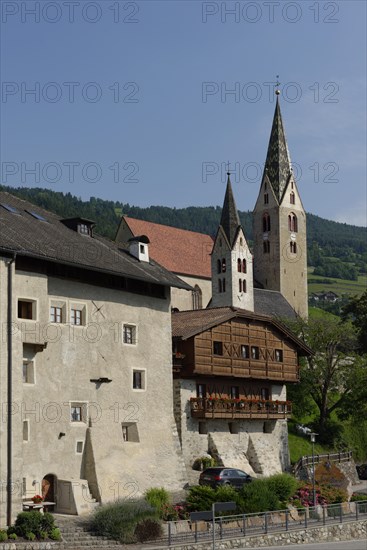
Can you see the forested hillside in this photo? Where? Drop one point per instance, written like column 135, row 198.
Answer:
column 345, row 244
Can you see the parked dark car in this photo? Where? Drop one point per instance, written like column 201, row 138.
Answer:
column 224, row 476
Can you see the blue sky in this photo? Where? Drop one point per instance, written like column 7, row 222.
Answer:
column 133, row 100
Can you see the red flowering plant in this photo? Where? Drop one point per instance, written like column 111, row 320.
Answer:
column 174, row 512
column 37, row 498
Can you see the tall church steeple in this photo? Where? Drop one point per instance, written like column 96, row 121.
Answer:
column 232, row 279
column 278, row 163
column 230, row 221
column 279, row 221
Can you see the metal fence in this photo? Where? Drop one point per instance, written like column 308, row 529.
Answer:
column 182, row 532
column 346, row 456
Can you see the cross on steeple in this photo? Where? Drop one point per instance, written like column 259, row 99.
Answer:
column 277, row 84
column 228, row 169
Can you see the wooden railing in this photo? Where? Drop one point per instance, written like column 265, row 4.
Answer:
column 206, row 407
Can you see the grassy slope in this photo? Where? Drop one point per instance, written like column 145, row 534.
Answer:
column 339, row 286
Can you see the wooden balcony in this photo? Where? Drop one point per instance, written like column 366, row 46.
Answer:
column 239, row 408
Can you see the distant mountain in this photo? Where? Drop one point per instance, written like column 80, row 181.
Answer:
column 325, row 238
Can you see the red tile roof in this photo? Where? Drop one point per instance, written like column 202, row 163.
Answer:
column 179, row 250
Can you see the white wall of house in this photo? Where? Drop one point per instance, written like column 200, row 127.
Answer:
column 62, row 372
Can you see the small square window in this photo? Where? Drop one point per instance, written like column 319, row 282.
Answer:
column 76, row 317
column 28, row 371
column 26, row 309
column 279, row 355
column 138, row 379
column 55, row 314
column 79, row 447
column 130, row 432
column 218, row 348
column 78, row 412
column 129, row 334
column 254, row 352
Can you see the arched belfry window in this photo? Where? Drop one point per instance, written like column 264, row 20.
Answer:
column 219, row 285
column 244, row 288
column 293, row 247
column 223, row 265
column 240, row 285
column 239, row 265
column 197, row 298
column 266, row 247
column 244, row 266
column 292, row 198
column 292, row 223
column 266, row 222
column 219, row 266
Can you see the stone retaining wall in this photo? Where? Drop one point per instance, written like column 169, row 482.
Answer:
column 337, row 532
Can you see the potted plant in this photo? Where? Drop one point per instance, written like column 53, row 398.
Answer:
column 37, row 499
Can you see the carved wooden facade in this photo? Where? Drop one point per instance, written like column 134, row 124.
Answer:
column 236, row 365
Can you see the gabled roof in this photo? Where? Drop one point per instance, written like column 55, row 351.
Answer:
column 186, row 324
column 278, row 163
column 181, row 251
column 230, row 220
column 31, row 231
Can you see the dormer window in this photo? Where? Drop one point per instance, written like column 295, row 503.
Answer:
column 138, row 247
column 80, row 225
column 83, row 229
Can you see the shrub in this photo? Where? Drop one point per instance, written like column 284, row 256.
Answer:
column 12, row 536
column 3, row 535
column 33, row 522
column 283, row 485
column 55, row 534
column 325, row 494
column 43, row 535
column 118, row 520
column 30, row 536
column 158, row 499
column 148, row 529
column 174, row 512
column 358, row 496
column 47, row 522
column 200, row 498
column 258, row 497
column 28, row 522
column 333, row 495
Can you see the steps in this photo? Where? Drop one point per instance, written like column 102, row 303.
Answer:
column 76, row 537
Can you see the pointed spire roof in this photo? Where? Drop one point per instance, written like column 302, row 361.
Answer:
column 278, row 162
column 230, row 220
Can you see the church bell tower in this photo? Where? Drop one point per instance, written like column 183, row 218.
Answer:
column 279, row 222
column 232, row 277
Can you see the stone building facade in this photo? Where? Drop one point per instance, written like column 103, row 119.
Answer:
column 86, row 365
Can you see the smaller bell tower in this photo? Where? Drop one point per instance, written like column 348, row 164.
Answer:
column 232, row 278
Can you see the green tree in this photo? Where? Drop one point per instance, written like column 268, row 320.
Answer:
column 335, row 376
column 356, row 310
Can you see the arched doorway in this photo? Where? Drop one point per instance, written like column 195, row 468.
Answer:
column 49, row 488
